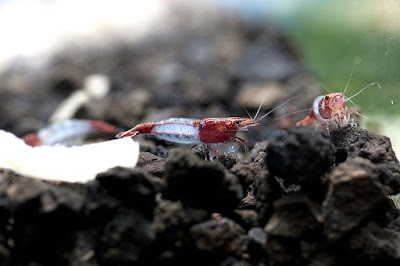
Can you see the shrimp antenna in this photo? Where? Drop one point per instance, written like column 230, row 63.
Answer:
column 259, row 129
column 247, row 112
column 277, row 107
column 347, row 99
column 348, row 81
column 259, row 108
column 295, row 112
column 327, row 89
column 373, row 83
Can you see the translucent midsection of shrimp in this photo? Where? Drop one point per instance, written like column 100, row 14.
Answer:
column 316, row 110
column 177, row 130
column 228, row 146
column 64, row 133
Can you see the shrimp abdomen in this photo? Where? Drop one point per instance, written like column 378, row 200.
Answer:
column 177, row 130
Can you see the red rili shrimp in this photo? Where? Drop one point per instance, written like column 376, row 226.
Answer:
column 217, row 134
column 67, row 132
column 330, row 108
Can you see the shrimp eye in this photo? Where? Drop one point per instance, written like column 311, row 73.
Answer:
column 326, row 97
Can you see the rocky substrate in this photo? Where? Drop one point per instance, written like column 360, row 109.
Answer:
column 300, row 197
column 305, row 199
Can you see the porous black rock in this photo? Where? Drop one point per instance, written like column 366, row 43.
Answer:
column 200, row 183
column 257, row 239
column 133, row 187
column 266, row 191
column 246, row 174
column 299, row 156
column 42, row 213
column 295, row 216
column 123, row 238
column 294, row 231
column 170, row 216
column 375, row 245
column 151, row 164
column 354, row 194
column 219, row 236
column 357, row 142
column 246, row 218
column 172, row 223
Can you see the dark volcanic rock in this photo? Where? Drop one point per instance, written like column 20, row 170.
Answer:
column 374, row 245
column 84, row 250
column 201, row 184
column 295, row 232
column 300, row 156
column 133, row 187
column 294, row 216
column 4, row 255
column 260, row 146
column 170, row 216
column 353, row 142
column 283, row 251
column 246, row 174
column 222, row 235
column 266, row 190
column 260, row 159
column 99, row 207
column 257, row 239
column 151, row 164
column 41, row 214
column 172, row 223
column 246, row 218
column 5, row 182
column 395, row 223
column 354, row 193
column 27, row 194
column 183, row 210
column 248, row 202
column 123, row 239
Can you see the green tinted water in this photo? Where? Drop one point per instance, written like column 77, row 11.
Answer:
column 334, row 35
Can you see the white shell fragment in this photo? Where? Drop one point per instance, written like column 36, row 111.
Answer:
column 70, row 164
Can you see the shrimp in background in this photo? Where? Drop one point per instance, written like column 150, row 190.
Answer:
column 68, row 132
column 330, row 108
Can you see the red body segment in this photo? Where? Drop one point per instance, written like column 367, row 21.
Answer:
column 309, row 119
column 32, row 140
column 102, row 127
column 144, row 128
column 216, row 130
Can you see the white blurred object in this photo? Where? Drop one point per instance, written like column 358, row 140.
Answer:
column 96, row 86
column 34, row 28
column 69, row 164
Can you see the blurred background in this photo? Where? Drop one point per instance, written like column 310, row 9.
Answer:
column 197, row 58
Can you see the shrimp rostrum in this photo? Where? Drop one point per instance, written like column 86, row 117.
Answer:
column 217, row 134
